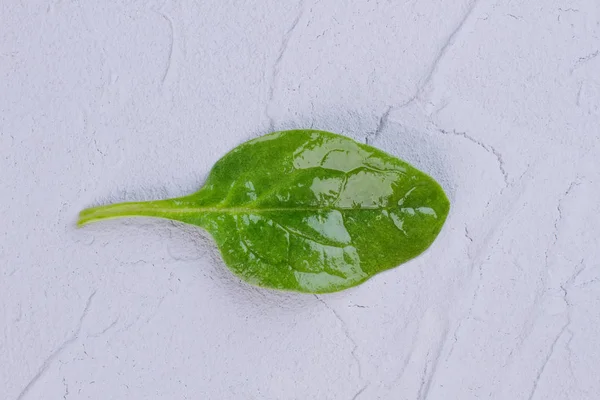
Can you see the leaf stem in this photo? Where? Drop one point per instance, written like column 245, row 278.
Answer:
column 155, row 208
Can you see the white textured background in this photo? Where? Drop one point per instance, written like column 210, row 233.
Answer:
column 131, row 100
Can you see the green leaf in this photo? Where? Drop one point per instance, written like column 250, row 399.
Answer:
column 307, row 211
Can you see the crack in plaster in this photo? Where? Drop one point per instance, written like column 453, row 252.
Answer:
column 102, row 332
column 467, row 234
column 565, row 328
column 170, row 56
column 433, row 68
column 490, row 149
column 426, row 383
column 530, row 321
column 350, row 339
column 545, row 363
column 276, row 65
column 56, row 353
column 382, row 123
column 66, row 385
column 355, row 397
column 582, row 60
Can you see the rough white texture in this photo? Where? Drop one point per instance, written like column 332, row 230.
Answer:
column 131, row 100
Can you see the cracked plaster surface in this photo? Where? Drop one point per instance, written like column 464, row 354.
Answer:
column 105, row 102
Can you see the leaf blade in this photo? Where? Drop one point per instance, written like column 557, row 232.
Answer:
column 307, row 211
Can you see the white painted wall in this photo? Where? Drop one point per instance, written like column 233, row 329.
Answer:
column 131, row 100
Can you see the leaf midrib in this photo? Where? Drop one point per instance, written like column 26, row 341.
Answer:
column 228, row 210
column 147, row 209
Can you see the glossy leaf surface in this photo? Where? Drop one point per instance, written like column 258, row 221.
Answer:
column 306, row 211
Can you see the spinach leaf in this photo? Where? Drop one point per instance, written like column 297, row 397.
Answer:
column 307, row 211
